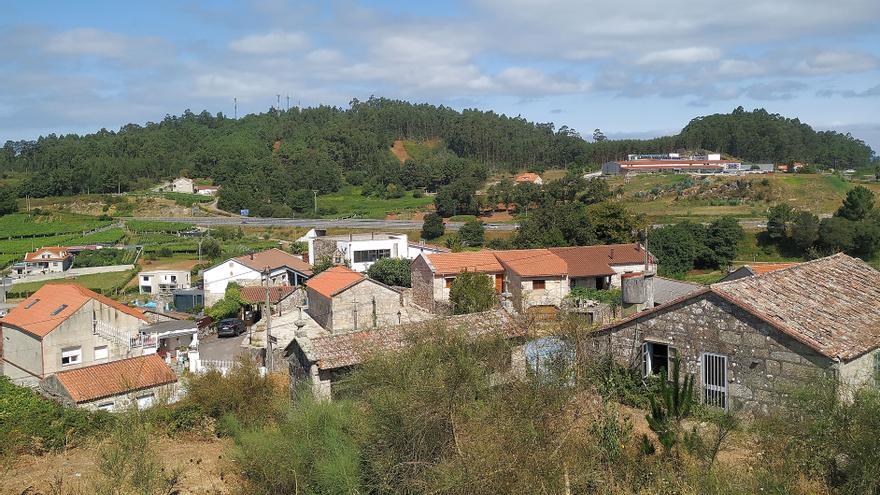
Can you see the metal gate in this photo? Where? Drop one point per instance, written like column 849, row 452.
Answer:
column 714, row 371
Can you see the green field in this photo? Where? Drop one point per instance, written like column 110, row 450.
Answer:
column 104, row 283
column 349, row 202
column 819, row 193
column 30, row 225
column 141, row 226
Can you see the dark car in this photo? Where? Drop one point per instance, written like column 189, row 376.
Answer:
column 230, row 327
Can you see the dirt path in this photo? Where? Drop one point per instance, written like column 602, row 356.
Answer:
column 204, row 467
column 399, row 150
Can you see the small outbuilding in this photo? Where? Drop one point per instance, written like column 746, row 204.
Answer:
column 341, row 299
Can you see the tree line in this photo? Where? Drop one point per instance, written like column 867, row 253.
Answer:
column 272, row 161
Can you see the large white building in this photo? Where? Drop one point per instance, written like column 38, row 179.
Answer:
column 163, row 281
column 284, row 269
column 359, row 251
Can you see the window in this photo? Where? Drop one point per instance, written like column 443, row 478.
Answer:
column 35, row 301
column 71, row 356
column 59, row 309
column 144, row 401
column 714, row 371
column 101, row 353
column 655, row 358
column 107, row 406
column 371, row 255
column 448, row 282
column 146, row 279
column 539, row 284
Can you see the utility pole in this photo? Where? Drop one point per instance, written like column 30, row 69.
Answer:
column 268, row 311
column 288, row 103
column 315, row 192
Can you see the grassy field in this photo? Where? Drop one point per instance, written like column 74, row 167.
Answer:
column 104, row 283
column 349, row 202
column 29, row 225
column 819, row 193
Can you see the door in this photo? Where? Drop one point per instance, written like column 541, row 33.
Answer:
column 714, row 371
column 499, row 283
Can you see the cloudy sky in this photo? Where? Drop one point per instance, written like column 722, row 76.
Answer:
column 632, row 68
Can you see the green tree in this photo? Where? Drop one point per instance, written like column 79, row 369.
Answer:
column 8, row 200
column 612, row 223
column 837, row 234
column 472, row 233
column 227, row 307
column 211, row 248
column 471, row 293
column 391, row 271
column 857, row 205
column 778, row 219
column 432, row 226
column 458, row 198
column 722, row 238
column 804, row 230
column 675, row 248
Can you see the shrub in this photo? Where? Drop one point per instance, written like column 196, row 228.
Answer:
column 472, row 233
column 471, row 293
column 229, row 306
column 432, row 227
column 391, row 271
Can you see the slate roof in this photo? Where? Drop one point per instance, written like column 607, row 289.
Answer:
column 52, row 303
column 116, row 377
column 667, row 289
column 348, row 349
column 471, row 261
column 831, row 305
column 255, row 294
column 533, row 262
column 334, row 280
column 596, row 261
column 275, row 258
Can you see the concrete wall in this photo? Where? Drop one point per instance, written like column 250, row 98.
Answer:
column 217, row 278
column 369, row 314
column 762, row 362
column 22, row 356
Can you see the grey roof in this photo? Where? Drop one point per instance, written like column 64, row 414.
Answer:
column 171, row 326
column 667, row 289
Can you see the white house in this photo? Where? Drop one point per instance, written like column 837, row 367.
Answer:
column 417, row 248
column 182, row 185
column 358, row 251
column 207, row 190
column 163, row 281
column 284, row 269
column 44, row 260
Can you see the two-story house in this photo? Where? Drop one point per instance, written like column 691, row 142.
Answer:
column 51, row 259
column 284, row 269
column 66, row 326
column 163, row 281
column 358, row 251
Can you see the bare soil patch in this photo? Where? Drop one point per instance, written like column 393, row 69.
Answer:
column 399, row 151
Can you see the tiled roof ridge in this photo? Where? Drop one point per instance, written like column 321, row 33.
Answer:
column 783, row 270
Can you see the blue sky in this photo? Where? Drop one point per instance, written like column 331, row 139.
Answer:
column 632, row 68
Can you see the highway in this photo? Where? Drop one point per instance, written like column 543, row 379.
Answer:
column 353, row 223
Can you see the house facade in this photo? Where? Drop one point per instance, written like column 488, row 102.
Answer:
column 342, row 300
column 182, row 185
column 137, row 382
column 534, row 278
column 66, row 326
column 284, row 269
column 433, row 274
column 44, row 260
column 163, row 281
column 749, row 341
column 358, row 251
column 206, row 190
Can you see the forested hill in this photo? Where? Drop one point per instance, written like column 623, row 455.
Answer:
column 277, row 156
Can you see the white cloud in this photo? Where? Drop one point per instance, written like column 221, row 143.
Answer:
column 324, row 56
column 269, row 43
column 829, row 62
column 689, row 55
column 528, row 80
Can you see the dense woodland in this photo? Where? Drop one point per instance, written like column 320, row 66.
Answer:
column 270, row 162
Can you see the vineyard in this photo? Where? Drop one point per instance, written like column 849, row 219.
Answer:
column 148, row 226
column 19, row 225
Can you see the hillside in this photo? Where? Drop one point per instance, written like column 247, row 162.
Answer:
column 271, row 162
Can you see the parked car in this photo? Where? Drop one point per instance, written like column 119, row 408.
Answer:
column 230, row 327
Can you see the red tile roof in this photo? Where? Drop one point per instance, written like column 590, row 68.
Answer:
column 761, row 268
column 51, row 304
column 533, row 262
column 116, row 377
column 597, row 261
column 831, row 305
column 255, row 294
column 334, row 280
column 455, row 263
column 527, row 177
column 57, row 254
column 275, row 258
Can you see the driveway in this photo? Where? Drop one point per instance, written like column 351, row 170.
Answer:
column 221, row 349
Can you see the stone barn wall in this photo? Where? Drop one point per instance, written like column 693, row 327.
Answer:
column 762, row 361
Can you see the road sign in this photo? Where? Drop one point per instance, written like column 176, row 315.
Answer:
column 245, row 213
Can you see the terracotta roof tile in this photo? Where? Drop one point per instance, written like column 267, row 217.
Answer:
column 761, row 268
column 58, row 254
column 116, row 377
column 257, row 294
column 533, row 262
column 52, row 303
column 527, row 177
column 455, row 263
column 275, row 258
column 334, row 280
column 596, row 261
column 348, row 349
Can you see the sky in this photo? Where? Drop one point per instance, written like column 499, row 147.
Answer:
column 634, row 68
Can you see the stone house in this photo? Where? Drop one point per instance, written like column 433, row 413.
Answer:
column 601, row 266
column 66, row 326
column 321, row 361
column 750, row 340
column 116, row 386
column 433, row 274
column 182, row 185
column 534, row 278
column 284, row 269
column 341, row 300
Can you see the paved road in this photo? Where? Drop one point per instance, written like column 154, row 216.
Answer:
column 359, row 223
column 217, row 349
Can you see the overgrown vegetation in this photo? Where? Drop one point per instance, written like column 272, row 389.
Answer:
column 472, row 292
column 392, row 271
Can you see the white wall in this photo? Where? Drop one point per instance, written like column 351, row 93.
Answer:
column 217, row 278
column 621, row 269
